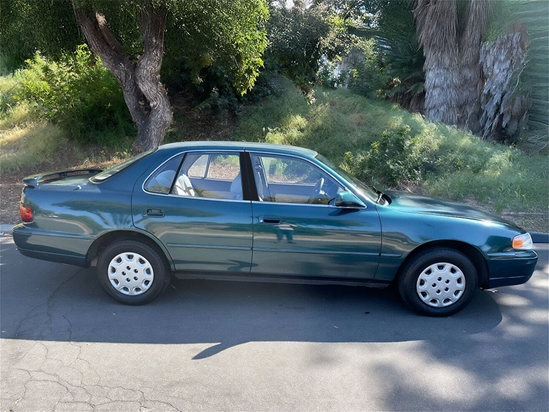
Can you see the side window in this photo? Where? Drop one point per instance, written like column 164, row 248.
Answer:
column 162, row 179
column 290, row 180
column 210, row 175
column 198, row 167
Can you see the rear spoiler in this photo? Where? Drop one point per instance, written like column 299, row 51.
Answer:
column 35, row 180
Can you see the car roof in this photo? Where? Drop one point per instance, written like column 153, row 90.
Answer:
column 245, row 146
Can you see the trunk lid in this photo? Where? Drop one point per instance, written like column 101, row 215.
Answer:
column 71, row 179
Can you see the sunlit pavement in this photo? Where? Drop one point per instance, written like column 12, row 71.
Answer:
column 237, row 346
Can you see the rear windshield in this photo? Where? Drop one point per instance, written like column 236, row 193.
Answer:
column 105, row 174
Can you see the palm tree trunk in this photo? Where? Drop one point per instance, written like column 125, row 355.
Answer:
column 470, row 72
column 437, row 32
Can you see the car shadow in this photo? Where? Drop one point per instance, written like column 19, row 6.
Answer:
column 53, row 302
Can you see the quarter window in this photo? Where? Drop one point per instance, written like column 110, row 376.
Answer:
column 161, row 180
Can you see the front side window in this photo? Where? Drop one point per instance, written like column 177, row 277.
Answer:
column 284, row 179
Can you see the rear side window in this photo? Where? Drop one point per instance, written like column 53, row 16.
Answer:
column 210, row 175
column 161, row 181
column 218, row 166
column 199, row 175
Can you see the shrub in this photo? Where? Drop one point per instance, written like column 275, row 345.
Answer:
column 78, row 93
column 7, row 88
column 396, row 158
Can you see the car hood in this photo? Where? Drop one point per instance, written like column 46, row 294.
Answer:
column 418, row 204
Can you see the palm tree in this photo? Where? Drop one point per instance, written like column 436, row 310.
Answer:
column 451, row 33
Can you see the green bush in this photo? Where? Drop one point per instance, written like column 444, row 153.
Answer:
column 7, row 89
column 79, row 94
column 396, row 158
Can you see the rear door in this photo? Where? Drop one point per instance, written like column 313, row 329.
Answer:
column 299, row 232
column 193, row 204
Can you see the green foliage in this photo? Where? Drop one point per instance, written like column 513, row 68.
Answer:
column 296, row 42
column 28, row 144
column 227, row 35
column 389, row 147
column 28, row 26
column 7, row 89
column 396, row 158
column 401, row 54
column 534, row 14
column 368, row 76
column 78, row 93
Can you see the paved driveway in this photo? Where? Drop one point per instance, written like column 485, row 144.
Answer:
column 236, row 346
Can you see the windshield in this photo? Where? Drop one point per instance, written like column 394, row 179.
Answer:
column 105, row 174
column 364, row 189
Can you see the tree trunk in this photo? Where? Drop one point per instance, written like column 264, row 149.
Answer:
column 437, row 32
column 471, row 79
column 504, row 108
column 145, row 96
column 453, row 76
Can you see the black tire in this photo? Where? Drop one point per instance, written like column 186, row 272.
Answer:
column 438, row 282
column 132, row 272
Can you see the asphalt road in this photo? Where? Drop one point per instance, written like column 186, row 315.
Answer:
column 236, row 346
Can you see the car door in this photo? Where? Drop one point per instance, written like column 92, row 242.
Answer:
column 298, row 230
column 193, row 204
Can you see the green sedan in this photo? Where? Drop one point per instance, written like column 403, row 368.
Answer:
column 259, row 212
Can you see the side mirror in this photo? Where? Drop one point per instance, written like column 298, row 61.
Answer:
column 348, row 200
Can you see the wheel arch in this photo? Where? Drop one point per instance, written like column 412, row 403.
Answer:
column 476, row 257
column 108, row 238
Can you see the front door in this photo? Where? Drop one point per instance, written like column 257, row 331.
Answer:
column 298, row 231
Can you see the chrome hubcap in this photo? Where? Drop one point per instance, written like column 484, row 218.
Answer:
column 441, row 284
column 130, row 273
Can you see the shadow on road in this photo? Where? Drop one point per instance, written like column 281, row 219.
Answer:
column 48, row 301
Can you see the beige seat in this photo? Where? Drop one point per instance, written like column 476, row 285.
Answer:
column 184, row 187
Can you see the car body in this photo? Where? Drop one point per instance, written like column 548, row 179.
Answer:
column 260, row 212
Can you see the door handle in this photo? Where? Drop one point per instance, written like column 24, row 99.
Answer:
column 272, row 220
column 155, row 212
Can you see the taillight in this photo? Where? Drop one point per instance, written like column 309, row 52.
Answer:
column 26, row 213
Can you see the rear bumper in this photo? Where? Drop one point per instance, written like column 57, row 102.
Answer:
column 511, row 268
column 51, row 246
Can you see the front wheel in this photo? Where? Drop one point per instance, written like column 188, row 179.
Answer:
column 132, row 272
column 438, row 282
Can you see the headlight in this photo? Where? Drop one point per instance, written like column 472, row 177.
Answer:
column 523, row 242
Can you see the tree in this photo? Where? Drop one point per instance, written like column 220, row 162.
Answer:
column 401, row 54
column 451, row 33
column 145, row 96
column 139, row 74
column 129, row 37
column 29, row 26
column 296, row 41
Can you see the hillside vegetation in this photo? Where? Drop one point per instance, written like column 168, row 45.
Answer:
column 389, row 147
column 376, row 141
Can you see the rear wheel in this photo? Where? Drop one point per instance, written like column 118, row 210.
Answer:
column 132, row 272
column 438, row 282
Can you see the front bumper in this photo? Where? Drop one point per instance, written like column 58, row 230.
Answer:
column 509, row 269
